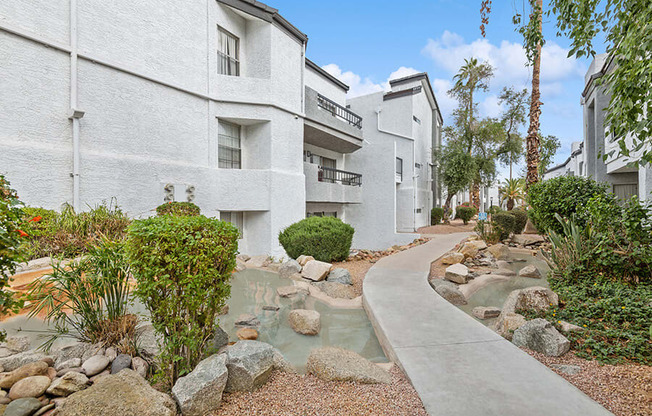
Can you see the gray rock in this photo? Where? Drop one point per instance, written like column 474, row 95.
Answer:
column 338, row 364
column 17, row 343
column 486, row 312
column 122, row 394
column 530, row 271
column 448, row 291
column 337, row 290
column 287, row 291
column 568, row 327
column 288, row 268
column 457, row 273
column 316, row 270
column 18, row 360
column 76, row 350
column 527, row 239
column 249, row 364
column 340, row 275
column 220, row 339
column 33, row 386
column 95, row 365
column 200, row 392
column 247, row 320
column 507, row 323
column 121, row 362
column 281, row 364
column 541, row 336
column 140, row 366
column 70, row 383
column 305, row 321
column 499, row 251
column 148, row 344
column 22, row 407
column 63, row 371
column 110, row 353
column 567, row 369
column 536, row 298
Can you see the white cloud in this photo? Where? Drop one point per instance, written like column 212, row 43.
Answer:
column 490, row 107
column 357, row 85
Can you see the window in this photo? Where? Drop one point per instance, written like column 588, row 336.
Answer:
column 415, row 118
column 234, row 217
column 229, row 151
column 322, row 214
column 399, row 169
column 228, row 53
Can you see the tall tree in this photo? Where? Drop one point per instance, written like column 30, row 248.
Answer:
column 627, row 28
column 515, row 103
column 532, row 32
column 549, row 146
column 454, row 163
column 472, row 76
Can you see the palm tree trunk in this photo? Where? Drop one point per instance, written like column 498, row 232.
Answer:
column 532, row 141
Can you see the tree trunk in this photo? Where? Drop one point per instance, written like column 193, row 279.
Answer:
column 510, row 204
column 532, row 141
column 476, row 195
column 447, row 207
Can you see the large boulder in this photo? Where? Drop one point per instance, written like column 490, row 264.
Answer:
column 530, row 271
column 536, row 298
column 70, row 383
column 530, row 228
column 452, row 258
column 527, row 239
column 17, row 343
column 249, row 365
column 122, row 394
column 507, row 323
column 448, row 291
column 316, row 270
column 220, row 339
column 148, row 341
column 479, row 244
column 15, row 361
column 340, row 275
column 34, row 386
column 499, row 251
column 305, row 321
column 288, row 268
column 457, row 273
column 38, row 368
column 541, row 336
column 338, row 364
column 469, row 250
column 337, row 290
column 200, row 392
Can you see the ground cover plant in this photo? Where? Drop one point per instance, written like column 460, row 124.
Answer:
column 324, row 238
column 178, row 208
column 69, row 234
column 183, row 265
column 87, row 298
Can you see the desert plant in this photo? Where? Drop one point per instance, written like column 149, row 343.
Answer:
column 183, row 265
column 505, row 221
column 10, row 246
column 436, row 215
column 564, row 195
column 494, row 209
column 490, row 232
column 178, row 208
column 87, row 299
column 513, row 191
column 324, row 238
column 466, row 213
column 520, row 219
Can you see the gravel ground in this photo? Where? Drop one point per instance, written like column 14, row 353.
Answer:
column 358, row 270
column 292, row 394
column 624, row 390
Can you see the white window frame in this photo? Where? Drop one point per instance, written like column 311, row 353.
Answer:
column 230, row 57
column 239, row 223
column 223, row 148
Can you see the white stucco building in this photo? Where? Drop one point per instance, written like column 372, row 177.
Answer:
column 572, row 166
column 212, row 102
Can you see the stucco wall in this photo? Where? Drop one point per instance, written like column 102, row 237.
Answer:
column 317, row 82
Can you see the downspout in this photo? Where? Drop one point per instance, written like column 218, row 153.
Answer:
column 414, row 186
column 75, row 114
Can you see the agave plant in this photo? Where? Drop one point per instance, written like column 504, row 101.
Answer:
column 513, row 191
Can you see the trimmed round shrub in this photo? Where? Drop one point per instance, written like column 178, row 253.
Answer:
column 465, row 213
column 183, row 265
column 178, row 208
column 324, row 238
column 520, row 219
column 436, row 215
column 506, row 222
column 564, row 195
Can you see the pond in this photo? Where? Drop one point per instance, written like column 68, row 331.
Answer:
column 251, row 290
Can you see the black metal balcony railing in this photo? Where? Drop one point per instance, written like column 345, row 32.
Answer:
column 338, row 111
column 339, row 176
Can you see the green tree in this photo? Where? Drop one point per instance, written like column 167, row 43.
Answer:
column 511, row 150
column 513, row 191
column 627, row 29
column 549, row 146
column 453, row 162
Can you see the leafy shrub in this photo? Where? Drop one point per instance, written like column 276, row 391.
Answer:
column 520, row 219
column 563, row 195
column 69, row 234
column 96, row 290
column 178, row 208
column 183, row 266
column 505, row 221
column 490, row 232
column 324, row 238
column 10, row 245
column 465, row 213
column 436, row 215
column 494, row 209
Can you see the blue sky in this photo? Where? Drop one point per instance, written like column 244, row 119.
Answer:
column 366, row 42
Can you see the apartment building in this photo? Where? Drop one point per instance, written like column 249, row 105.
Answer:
column 572, row 166
column 213, row 102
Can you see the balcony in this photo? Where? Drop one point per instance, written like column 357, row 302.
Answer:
column 332, row 185
column 330, row 125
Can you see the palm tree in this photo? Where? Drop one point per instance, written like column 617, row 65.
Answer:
column 514, row 190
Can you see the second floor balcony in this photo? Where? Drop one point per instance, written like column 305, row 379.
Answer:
column 325, row 184
column 330, row 125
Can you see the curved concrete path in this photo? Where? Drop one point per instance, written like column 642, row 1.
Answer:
column 457, row 365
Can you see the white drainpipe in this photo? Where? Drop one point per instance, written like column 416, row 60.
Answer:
column 75, row 114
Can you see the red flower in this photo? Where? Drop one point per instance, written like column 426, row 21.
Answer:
column 36, row 219
column 22, row 233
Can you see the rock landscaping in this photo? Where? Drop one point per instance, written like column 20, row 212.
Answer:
column 305, row 322
column 337, row 364
column 539, row 335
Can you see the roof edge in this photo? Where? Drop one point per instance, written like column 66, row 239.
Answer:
column 421, row 76
column 325, row 74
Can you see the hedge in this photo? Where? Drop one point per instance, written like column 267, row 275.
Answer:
column 436, row 215
column 178, row 208
column 324, row 238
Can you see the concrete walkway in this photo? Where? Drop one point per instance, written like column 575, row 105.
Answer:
column 457, row 365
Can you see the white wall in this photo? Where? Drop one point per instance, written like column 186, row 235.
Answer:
column 325, row 87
